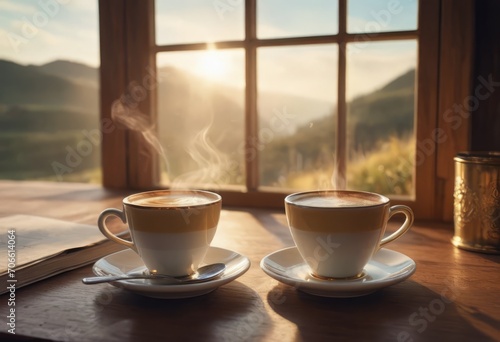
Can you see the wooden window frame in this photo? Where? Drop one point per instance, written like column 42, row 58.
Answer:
column 128, row 57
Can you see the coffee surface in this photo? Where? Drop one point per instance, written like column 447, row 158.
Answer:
column 174, row 200
column 334, row 201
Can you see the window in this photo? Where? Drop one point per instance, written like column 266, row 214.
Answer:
column 49, row 91
column 295, row 145
column 317, row 128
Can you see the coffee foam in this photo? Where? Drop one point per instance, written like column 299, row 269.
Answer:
column 173, row 200
column 334, row 201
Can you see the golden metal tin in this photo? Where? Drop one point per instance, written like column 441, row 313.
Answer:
column 477, row 201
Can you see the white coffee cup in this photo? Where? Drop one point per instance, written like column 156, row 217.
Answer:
column 171, row 230
column 337, row 231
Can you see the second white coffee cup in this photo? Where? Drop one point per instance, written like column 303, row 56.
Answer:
column 337, row 232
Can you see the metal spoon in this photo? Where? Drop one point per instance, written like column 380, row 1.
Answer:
column 203, row 273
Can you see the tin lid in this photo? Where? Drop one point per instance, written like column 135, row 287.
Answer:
column 479, row 157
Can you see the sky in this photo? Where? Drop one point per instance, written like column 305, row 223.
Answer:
column 40, row 31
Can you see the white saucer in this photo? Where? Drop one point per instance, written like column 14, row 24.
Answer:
column 126, row 261
column 386, row 268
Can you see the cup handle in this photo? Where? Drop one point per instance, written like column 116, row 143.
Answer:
column 397, row 209
column 101, row 223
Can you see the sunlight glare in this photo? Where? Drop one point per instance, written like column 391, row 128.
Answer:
column 212, row 65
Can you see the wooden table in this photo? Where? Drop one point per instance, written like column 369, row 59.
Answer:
column 453, row 296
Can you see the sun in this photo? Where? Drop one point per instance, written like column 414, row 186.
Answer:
column 212, row 65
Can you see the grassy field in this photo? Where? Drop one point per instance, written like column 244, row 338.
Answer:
column 387, row 170
column 33, row 155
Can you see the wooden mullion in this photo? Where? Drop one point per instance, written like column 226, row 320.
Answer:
column 341, row 136
column 326, row 39
column 141, row 71
column 342, row 36
column 251, row 118
column 380, row 36
column 112, row 85
column 236, row 44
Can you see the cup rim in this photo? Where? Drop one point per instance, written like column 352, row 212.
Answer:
column 478, row 157
column 383, row 199
column 216, row 199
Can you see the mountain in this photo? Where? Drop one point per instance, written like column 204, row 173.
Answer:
column 384, row 112
column 301, row 110
column 43, row 115
column 29, row 85
column 371, row 119
column 72, row 71
column 388, row 111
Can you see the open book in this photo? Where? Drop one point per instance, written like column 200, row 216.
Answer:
column 33, row 248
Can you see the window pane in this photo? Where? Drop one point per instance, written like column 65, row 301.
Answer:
column 297, row 91
column 198, row 21
column 372, row 16
column 289, row 18
column 201, row 117
column 49, row 90
column 381, row 115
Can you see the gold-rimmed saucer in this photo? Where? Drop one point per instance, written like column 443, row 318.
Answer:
column 386, row 268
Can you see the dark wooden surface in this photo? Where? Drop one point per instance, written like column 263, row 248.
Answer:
column 453, row 296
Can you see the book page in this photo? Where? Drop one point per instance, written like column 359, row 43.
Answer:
column 38, row 238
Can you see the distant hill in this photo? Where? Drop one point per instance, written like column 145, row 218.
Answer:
column 71, row 71
column 371, row 119
column 386, row 112
column 29, row 85
column 43, row 113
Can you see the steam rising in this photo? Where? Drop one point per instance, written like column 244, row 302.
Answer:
column 212, row 166
column 136, row 121
column 337, row 181
column 211, row 163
